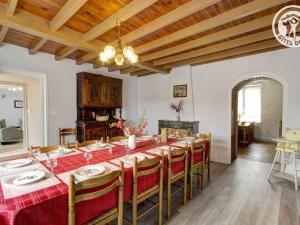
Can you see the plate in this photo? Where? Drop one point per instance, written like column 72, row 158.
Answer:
column 18, row 163
column 26, row 178
column 90, row 170
column 129, row 158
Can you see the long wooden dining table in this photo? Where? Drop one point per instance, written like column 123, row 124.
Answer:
column 50, row 205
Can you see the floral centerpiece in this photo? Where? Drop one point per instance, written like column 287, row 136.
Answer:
column 131, row 130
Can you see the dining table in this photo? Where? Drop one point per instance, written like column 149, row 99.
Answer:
column 46, row 202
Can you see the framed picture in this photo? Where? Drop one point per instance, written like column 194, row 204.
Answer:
column 180, row 91
column 18, row 104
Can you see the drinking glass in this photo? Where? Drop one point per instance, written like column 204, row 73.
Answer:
column 88, row 156
column 51, row 163
column 157, row 141
column 36, row 152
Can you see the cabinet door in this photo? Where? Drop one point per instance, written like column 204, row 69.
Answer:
column 113, row 94
column 95, row 133
column 95, row 92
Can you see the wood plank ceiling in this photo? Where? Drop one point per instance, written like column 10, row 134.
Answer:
column 164, row 33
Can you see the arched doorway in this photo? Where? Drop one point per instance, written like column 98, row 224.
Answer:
column 253, row 80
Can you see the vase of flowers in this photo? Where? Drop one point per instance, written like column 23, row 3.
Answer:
column 131, row 130
column 177, row 108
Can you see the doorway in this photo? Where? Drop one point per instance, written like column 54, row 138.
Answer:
column 257, row 112
column 13, row 119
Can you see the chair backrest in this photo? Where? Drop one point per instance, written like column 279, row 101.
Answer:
column 177, row 160
column 117, row 138
column 197, row 148
column 65, row 132
column 292, row 134
column 94, row 188
column 42, row 149
column 85, row 143
column 149, row 172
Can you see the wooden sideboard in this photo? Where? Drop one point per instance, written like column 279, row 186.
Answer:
column 97, row 95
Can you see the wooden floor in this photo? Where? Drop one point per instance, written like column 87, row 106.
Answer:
column 239, row 194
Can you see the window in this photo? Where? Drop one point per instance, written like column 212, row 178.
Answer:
column 249, row 104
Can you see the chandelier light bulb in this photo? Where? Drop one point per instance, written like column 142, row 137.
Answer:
column 128, row 52
column 20, row 88
column 109, row 52
column 103, row 57
column 133, row 58
column 119, row 59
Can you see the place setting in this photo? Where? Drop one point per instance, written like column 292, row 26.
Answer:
column 128, row 159
column 88, row 171
column 18, row 165
column 27, row 176
column 98, row 145
column 56, row 153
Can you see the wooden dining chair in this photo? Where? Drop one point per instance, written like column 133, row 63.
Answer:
column 207, row 144
column 147, row 182
column 46, row 149
column 85, row 143
column 95, row 189
column 177, row 170
column 63, row 132
column 196, row 163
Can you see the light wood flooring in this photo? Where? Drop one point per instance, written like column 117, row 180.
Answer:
column 239, row 194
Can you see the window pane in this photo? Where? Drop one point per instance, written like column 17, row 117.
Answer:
column 252, row 104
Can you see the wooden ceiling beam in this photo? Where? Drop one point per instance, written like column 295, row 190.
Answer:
column 64, row 52
column 123, row 14
column 115, row 67
column 171, row 17
column 11, row 7
column 149, row 66
column 37, row 26
column 36, row 47
column 227, row 53
column 87, row 58
column 264, row 35
column 3, row 32
column 145, row 74
column 212, row 38
column 10, row 10
column 226, row 17
column 167, row 19
column 241, row 55
column 66, row 12
column 140, row 72
column 129, row 70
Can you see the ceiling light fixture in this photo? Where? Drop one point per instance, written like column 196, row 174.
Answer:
column 118, row 53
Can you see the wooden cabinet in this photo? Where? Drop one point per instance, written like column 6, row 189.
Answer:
column 98, row 91
column 97, row 95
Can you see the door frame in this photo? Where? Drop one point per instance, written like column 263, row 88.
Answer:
column 42, row 77
column 249, row 77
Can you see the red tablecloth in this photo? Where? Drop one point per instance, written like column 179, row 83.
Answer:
column 49, row 206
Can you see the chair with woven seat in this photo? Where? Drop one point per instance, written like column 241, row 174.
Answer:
column 85, row 143
column 147, row 182
column 95, row 190
column 177, row 170
column 207, row 145
column 196, row 163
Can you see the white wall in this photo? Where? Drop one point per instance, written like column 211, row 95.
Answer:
column 61, row 85
column 212, row 84
column 7, row 109
column 271, row 109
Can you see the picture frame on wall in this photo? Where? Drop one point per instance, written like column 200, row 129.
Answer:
column 180, row 91
column 18, row 104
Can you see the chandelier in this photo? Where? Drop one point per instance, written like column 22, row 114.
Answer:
column 118, row 53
